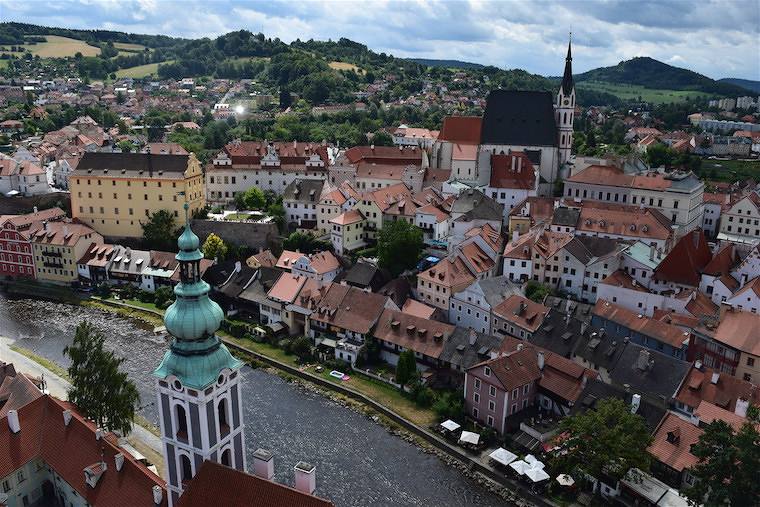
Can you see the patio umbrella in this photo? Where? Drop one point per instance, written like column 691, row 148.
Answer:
column 530, row 459
column 536, row 474
column 565, row 480
column 502, row 456
column 468, row 437
column 519, row 466
column 450, row 425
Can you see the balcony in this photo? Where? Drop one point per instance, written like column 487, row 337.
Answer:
column 54, row 265
column 51, row 254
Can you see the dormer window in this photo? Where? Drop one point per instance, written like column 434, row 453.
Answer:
column 487, row 371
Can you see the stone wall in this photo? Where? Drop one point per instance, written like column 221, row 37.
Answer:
column 250, row 234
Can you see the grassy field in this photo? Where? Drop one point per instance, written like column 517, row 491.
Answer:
column 633, row 92
column 128, row 46
column 141, row 70
column 345, row 66
column 58, row 47
column 730, row 170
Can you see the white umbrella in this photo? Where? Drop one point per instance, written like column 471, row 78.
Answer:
column 565, row 480
column 519, row 466
column 530, row 459
column 450, row 425
column 536, row 474
column 468, row 437
column 502, row 456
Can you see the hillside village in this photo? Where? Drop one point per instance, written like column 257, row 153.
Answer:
column 528, row 255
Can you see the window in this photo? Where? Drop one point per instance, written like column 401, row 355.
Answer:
column 6, row 486
column 489, row 419
column 487, row 371
column 477, row 383
column 750, row 361
column 475, row 412
column 20, row 476
column 515, row 393
column 185, row 468
column 221, row 409
column 491, row 406
column 227, row 458
column 492, row 391
column 514, row 408
column 476, row 398
column 526, row 387
column 181, row 417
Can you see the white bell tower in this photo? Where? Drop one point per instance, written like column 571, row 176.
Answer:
column 565, row 109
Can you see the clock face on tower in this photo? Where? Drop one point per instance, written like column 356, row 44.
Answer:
column 567, row 101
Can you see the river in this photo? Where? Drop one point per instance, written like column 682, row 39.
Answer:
column 358, row 462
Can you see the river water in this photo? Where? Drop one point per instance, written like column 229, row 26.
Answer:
column 358, row 462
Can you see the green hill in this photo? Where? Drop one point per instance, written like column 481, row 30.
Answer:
column 449, row 64
column 650, row 73
column 748, row 84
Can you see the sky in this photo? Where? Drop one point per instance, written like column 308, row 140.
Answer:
column 712, row 37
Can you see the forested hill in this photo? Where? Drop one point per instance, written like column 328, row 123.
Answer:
column 747, row 84
column 648, row 72
column 14, row 33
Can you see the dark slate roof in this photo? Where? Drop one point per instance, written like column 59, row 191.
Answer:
column 364, row 274
column 596, row 390
column 519, row 118
column 132, row 163
column 397, row 289
column 475, row 205
column 567, row 77
column 238, row 282
column 580, row 311
column 600, row 350
column 218, row 273
column 558, row 333
column 457, row 350
column 586, row 248
column 498, row 288
column 660, row 380
column 258, row 289
column 302, row 190
column 567, row 217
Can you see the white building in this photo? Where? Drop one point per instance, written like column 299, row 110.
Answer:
column 300, row 200
column 472, row 307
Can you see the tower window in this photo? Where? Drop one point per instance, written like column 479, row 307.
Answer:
column 227, row 458
column 181, row 417
column 186, row 468
column 224, row 426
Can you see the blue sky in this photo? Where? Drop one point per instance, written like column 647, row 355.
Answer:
column 715, row 38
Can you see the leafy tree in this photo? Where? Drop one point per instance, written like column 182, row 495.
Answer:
column 382, row 138
column 251, row 199
column 214, row 247
column 729, row 463
column 659, row 155
column 125, row 146
column 163, row 297
column 285, row 98
column 537, row 292
column 608, row 439
column 102, row 392
column 159, row 232
column 301, row 348
column 406, row 368
column 399, row 245
column 449, row 405
column 305, row 243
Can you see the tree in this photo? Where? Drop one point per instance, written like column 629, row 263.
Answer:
column 659, row 155
column 125, row 146
column 305, row 243
column 729, row 463
column 399, row 245
column 163, row 297
column 102, row 392
column 382, row 138
column 537, row 292
column 406, row 368
column 301, row 348
column 607, row 439
column 251, row 199
column 214, row 247
column 159, row 231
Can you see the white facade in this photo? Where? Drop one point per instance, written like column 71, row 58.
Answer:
column 470, row 309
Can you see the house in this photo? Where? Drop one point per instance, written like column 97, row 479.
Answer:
column 653, row 375
column 214, row 483
column 52, row 452
column 397, row 331
column 334, row 201
column 93, row 265
column 545, row 251
column 656, row 335
column 366, row 276
column 708, row 385
column 741, row 222
column 437, row 284
column 517, row 316
column 159, row 271
column 16, row 389
column 322, row 266
column 347, row 231
column 456, row 147
column 587, row 261
column 127, row 265
column 435, row 221
column 300, row 200
column 283, row 293
column 747, row 298
column 671, row 449
column 716, row 279
column 57, row 246
column 23, row 177
column 264, row 258
column 470, row 209
column 531, row 212
column 513, row 179
column 626, row 223
column 464, row 348
column 597, row 390
column 682, row 266
column 16, row 249
column 473, row 306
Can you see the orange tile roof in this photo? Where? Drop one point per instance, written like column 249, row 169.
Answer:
column 661, row 331
column 349, row 217
column 461, row 129
column 698, row 386
column 515, row 368
column 324, row 262
column 707, row 413
column 417, row 309
column 684, row 263
column 287, row 287
column 597, row 174
column 476, row 258
column 411, row 332
column 722, row 262
column 463, row 151
column 739, row 330
column 623, row 220
column 385, row 155
column 505, row 172
column 449, row 273
column 672, row 442
column 522, row 311
column 61, row 233
column 216, row 484
column 620, row 278
column 287, row 259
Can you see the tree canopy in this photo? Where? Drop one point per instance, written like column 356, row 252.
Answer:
column 305, row 243
column 729, row 464
column 399, row 245
column 214, row 247
column 160, row 231
column 608, row 439
column 251, row 199
column 102, row 392
column 406, row 368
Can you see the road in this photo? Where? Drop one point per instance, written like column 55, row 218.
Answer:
column 58, row 387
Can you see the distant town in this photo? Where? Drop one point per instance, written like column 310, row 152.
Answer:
column 555, row 290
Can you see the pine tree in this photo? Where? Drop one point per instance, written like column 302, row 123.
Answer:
column 406, row 368
column 100, row 391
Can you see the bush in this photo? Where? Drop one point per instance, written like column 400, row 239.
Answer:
column 163, row 297
column 422, row 395
column 146, row 297
column 236, row 329
column 449, row 405
column 336, row 364
column 103, row 290
column 128, row 291
column 301, row 347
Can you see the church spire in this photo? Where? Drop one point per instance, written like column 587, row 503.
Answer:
column 567, row 78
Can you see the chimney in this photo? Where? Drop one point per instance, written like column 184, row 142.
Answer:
column 306, row 478
column 473, row 337
column 652, row 249
column 35, row 209
column 695, row 237
column 715, row 377
column 519, row 347
column 263, row 464
column 98, row 434
column 515, row 236
column 635, row 402
column 741, row 407
column 119, row 461
column 513, row 163
column 237, row 266
column 724, row 308
column 540, row 360
column 13, row 422
column 158, row 494
column 642, row 363
column 743, row 280
column 66, row 417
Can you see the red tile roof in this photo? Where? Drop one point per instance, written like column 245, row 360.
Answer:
column 522, row 312
column 598, row 174
column 515, row 368
column 623, row 220
column 685, row 262
column 411, row 332
column 68, row 450
column 216, row 484
column 514, row 170
column 349, row 217
column 658, row 330
column 722, row 262
column 739, row 330
column 251, row 152
column 461, row 129
column 672, row 442
column 698, row 386
column 385, row 155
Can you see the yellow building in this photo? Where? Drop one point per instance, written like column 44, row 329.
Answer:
column 57, row 247
column 347, row 232
column 115, row 192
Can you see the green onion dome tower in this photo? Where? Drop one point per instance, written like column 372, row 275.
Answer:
column 198, row 380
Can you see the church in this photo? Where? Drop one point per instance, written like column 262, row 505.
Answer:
column 538, row 124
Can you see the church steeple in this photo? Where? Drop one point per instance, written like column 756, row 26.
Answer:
column 198, row 382
column 567, row 77
column 565, row 109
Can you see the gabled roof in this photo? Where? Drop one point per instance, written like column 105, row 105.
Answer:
column 16, row 390
column 522, row 312
column 450, row 272
column 69, row 449
column 216, row 484
column 672, row 443
column 722, row 262
column 287, row 287
column 685, row 262
column 514, row 369
column 522, row 118
column 649, row 327
column 739, row 330
column 720, row 389
column 132, row 163
column 513, row 170
column 411, row 332
column 287, row 259
column 461, row 129
column 303, row 190
column 648, row 372
column 352, row 216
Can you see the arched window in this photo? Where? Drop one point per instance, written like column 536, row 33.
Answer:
column 221, row 409
column 564, row 120
column 181, row 416
column 227, row 458
column 186, row 468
